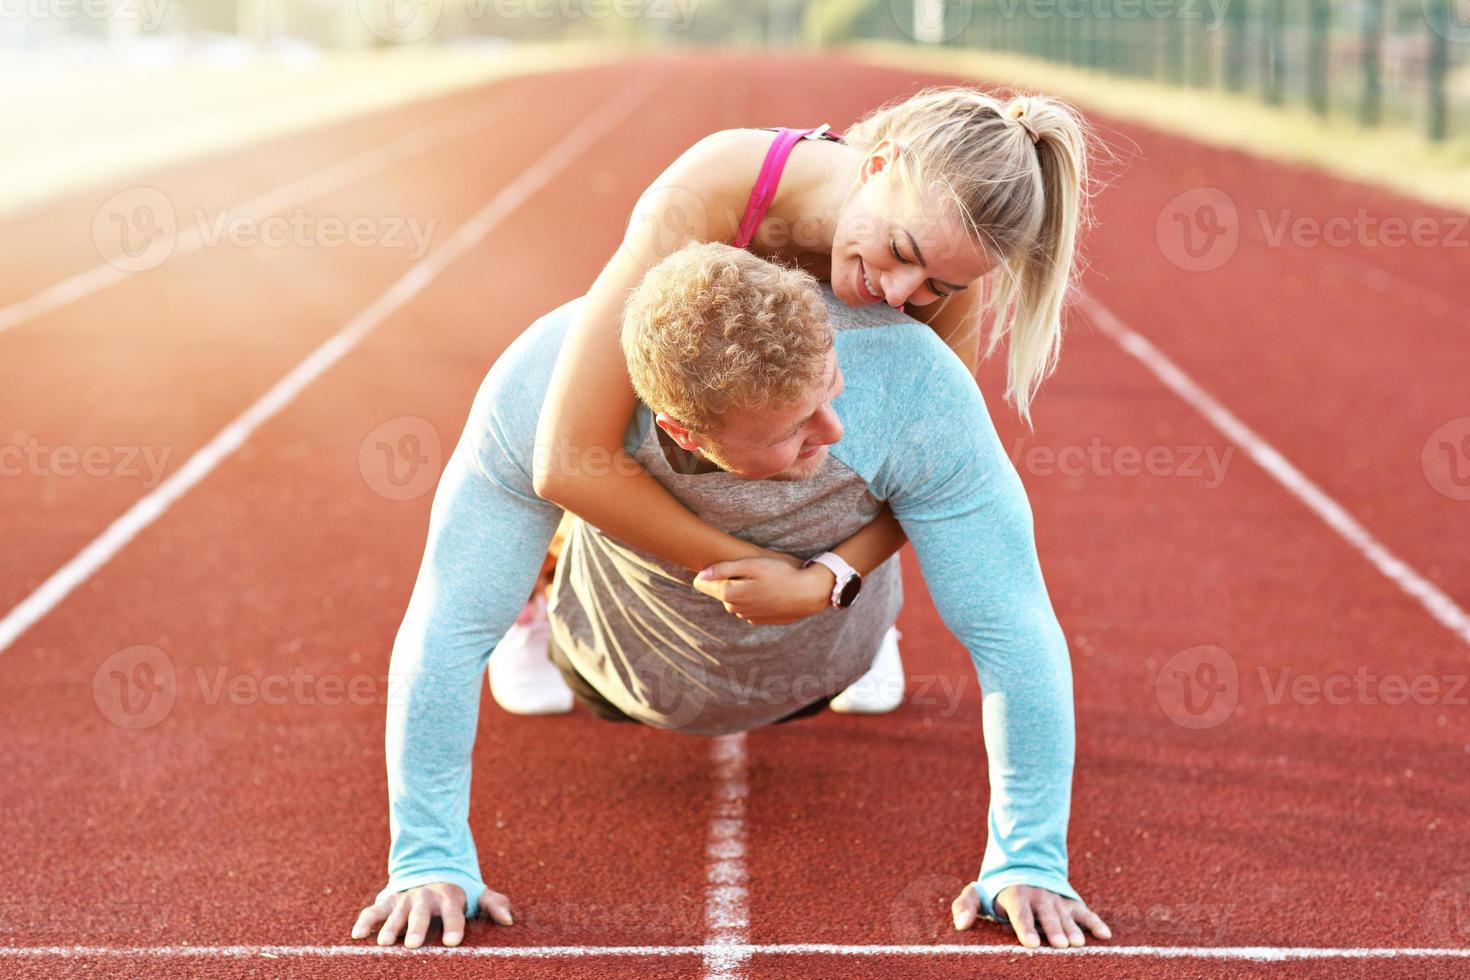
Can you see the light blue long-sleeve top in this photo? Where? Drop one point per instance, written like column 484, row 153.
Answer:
column 916, row 430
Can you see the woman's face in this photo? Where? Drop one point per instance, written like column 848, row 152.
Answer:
column 895, row 248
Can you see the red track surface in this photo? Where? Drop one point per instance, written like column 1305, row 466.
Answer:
column 265, row 824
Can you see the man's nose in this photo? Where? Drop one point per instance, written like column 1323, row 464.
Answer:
column 831, row 426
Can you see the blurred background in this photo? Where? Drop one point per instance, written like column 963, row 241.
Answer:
column 106, row 75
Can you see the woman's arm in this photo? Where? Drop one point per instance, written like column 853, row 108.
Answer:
column 878, row 541
column 771, row 593
column 580, row 462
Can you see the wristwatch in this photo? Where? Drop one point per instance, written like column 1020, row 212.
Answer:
column 849, row 582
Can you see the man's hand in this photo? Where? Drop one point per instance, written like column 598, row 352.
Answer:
column 1062, row 919
column 768, row 591
column 417, row 907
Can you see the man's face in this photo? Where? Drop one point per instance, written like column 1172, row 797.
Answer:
column 784, row 443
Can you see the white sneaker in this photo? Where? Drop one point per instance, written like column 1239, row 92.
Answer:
column 880, row 690
column 523, row 680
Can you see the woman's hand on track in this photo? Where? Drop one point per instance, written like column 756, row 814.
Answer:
column 413, row 909
column 1062, row 919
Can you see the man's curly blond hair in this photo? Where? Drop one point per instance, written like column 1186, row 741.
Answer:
column 713, row 329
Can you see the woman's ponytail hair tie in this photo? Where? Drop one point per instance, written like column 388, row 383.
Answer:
column 1016, row 112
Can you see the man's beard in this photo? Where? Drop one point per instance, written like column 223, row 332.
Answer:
column 801, row 469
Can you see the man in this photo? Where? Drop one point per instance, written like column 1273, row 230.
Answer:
column 768, row 425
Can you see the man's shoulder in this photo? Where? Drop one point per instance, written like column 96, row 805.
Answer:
column 893, row 360
column 905, row 393
column 849, row 318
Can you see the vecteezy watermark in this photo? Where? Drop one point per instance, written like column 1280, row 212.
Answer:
column 1200, row 923
column 221, row 685
column 299, row 228
column 1200, row 230
column 1207, row 463
column 920, row 913
column 26, row 455
column 1362, row 686
column 1198, row 688
column 138, row 687
column 400, row 21
column 135, row 230
column 401, row 458
column 139, row 229
column 1447, row 913
column 1361, row 229
column 1446, row 459
column 932, row 21
column 1201, row 687
column 135, row 688
column 938, row 21
column 1212, row 12
column 667, row 216
column 410, row 21
column 681, row 701
column 1449, row 19
column 147, row 14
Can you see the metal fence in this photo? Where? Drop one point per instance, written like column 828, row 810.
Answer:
column 1376, row 61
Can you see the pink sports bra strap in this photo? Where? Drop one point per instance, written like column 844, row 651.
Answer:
column 769, row 178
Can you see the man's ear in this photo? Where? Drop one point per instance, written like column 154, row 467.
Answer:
column 678, row 431
column 880, row 158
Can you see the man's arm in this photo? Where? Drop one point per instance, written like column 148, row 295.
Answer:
column 971, row 532
column 488, row 534
column 942, row 469
column 486, row 545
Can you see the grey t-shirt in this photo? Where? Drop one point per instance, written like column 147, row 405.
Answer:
column 634, row 627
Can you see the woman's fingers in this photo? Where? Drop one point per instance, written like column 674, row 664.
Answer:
column 729, row 569
column 724, row 589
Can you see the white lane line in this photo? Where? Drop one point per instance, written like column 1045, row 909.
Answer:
column 1426, row 593
column 105, row 546
column 192, row 237
column 726, row 909
column 1259, row 954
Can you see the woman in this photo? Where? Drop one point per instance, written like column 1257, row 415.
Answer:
column 951, row 204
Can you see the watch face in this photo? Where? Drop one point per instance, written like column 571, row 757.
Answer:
column 850, row 591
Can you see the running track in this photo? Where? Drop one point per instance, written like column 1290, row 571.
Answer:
column 241, row 833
